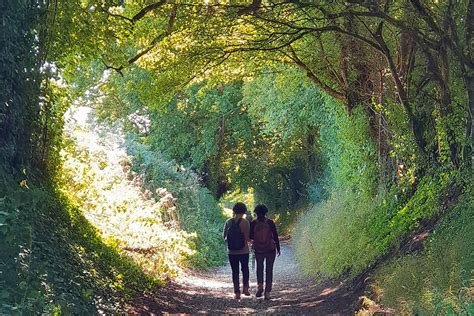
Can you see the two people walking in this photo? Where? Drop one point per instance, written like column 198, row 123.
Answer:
column 261, row 233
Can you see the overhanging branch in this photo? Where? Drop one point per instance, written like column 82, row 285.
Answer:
column 147, row 9
column 311, row 75
column 153, row 43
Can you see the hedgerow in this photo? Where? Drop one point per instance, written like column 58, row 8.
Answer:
column 197, row 211
column 348, row 232
column 54, row 261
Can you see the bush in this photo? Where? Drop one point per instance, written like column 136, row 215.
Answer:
column 328, row 239
column 196, row 209
column 96, row 177
column 53, row 261
column 146, row 212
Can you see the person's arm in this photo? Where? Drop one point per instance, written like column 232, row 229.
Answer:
column 226, row 229
column 245, row 229
column 252, row 224
column 275, row 236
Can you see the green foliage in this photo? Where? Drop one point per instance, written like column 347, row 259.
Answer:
column 275, row 133
column 440, row 279
column 358, row 55
column 284, row 103
column 347, row 149
column 312, row 139
column 354, row 227
column 348, row 232
column 54, row 260
column 197, row 211
column 20, row 82
column 236, row 135
column 284, row 108
column 96, row 177
column 328, row 238
column 207, row 129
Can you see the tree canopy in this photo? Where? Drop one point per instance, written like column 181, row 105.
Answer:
column 351, row 120
column 358, row 52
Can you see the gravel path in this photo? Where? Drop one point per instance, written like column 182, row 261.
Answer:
column 211, row 292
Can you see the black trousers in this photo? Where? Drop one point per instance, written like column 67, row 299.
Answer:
column 234, row 264
column 269, row 259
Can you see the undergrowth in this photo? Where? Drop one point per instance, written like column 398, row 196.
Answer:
column 97, row 177
column 54, row 261
column 197, row 212
column 356, row 219
column 348, row 232
column 440, row 280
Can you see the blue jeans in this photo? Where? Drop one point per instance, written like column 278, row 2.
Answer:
column 234, row 264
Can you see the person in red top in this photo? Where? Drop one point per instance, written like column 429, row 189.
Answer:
column 266, row 246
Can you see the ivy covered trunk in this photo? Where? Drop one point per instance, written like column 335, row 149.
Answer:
column 20, row 82
column 469, row 134
column 468, row 76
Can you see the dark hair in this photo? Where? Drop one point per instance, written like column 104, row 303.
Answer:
column 260, row 210
column 239, row 208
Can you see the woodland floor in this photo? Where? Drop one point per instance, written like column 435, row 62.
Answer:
column 211, row 292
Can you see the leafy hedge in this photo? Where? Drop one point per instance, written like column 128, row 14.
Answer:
column 54, row 261
column 353, row 222
column 97, row 177
column 51, row 259
column 349, row 231
column 197, row 210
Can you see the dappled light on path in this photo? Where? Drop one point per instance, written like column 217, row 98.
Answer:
column 329, row 290
column 212, row 292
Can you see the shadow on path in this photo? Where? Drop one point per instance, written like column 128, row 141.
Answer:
column 212, row 292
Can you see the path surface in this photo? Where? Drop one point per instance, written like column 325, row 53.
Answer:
column 211, row 292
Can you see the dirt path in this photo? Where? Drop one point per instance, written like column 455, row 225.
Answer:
column 211, row 292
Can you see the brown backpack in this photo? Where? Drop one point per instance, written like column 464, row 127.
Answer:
column 263, row 237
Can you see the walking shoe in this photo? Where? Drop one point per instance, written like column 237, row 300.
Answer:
column 237, row 296
column 267, row 295
column 246, row 291
column 259, row 291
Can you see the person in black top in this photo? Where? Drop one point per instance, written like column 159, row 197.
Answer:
column 239, row 256
column 266, row 246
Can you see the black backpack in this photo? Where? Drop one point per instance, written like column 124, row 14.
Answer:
column 235, row 237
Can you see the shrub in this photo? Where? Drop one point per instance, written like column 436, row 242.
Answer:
column 146, row 212
column 54, row 261
column 197, row 211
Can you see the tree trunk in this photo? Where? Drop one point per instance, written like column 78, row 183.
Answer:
column 415, row 124
column 469, row 82
column 468, row 148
